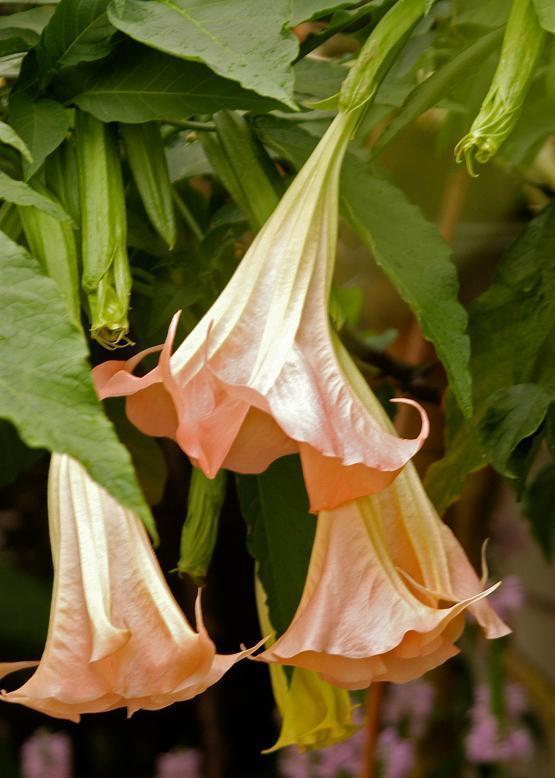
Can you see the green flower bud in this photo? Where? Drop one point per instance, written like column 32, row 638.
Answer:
column 200, row 530
column 106, row 277
column 522, row 45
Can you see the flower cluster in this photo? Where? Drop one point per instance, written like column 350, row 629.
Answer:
column 262, row 375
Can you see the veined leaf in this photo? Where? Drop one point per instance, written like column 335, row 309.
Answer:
column 280, row 534
column 413, row 255
column 10, row 137
column 512, row 330
column 21, row 31
column 41, row 123
column 79, row 31
column 243, row 40
column 45, row 385
column 20, row 193
column 142, row 85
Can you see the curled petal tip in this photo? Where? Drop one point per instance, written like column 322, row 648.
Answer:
column 425, row 422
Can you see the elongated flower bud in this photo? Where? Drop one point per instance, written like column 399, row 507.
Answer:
column 62, row 177
column 522, row 45
column 200, row 531
column 379, row 52
column 147, row 160
column 52, row 243
column 106, row 277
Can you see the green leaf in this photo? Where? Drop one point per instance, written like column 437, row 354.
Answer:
column 476, row 12
column 512, row 416
column 305, row 10
column 10, row 137
column 316, row 79
column 21, row 31
column 20, row 193
column 512, row 330
column 280, row 534
column 79, row 31
column 413, row 255
column 142, row 85
column 439, row 84
column 539, row 507
column 15, row 456
column 45, row 384
column 42, row 124
column 546, row 14
column 243, row 40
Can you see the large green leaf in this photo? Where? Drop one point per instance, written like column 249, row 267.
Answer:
column 280, row 534
column 413, row 254
column 21, row 31
column 243, row 40
column 141, row 85
column 512, row 330
column 20, row 193
column 41, row 123
column 79, row 31
column 10, row 137
column 509, row 425
column 45, row 385
column 440, row 84
column 546, row 14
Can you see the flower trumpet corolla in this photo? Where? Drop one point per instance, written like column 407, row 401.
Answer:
column 116, row 636
column 262, row 375
column 386, row 591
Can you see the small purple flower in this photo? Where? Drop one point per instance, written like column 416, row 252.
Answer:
column 516, row 746
column 412, row 701
column 509, row 598
column 294, row 764
column 481, row 741
column 179, row 764
column 396, row 754
column 46, row 755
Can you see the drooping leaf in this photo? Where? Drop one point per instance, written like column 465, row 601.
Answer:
column 280, row 534
column 10, row 137
column 510, row 420
column 439, row 85
column 41, row 123
column 79, row 31
column 546, row 14
column 45, row 386
column 317, row 79
column 243, row 40
column 305, row 10
column 413, row 255
column 512, row 330
column 15, row 456
column 21, row 31
column 20, row 193
column 539, row 507
column 141, row 85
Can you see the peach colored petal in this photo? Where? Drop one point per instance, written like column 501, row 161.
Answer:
column 266, row 344
column 116, row 635
column 372, row 607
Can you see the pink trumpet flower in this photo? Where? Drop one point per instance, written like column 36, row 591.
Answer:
column 262, row 375
column 116, row 636
column 386, row 591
